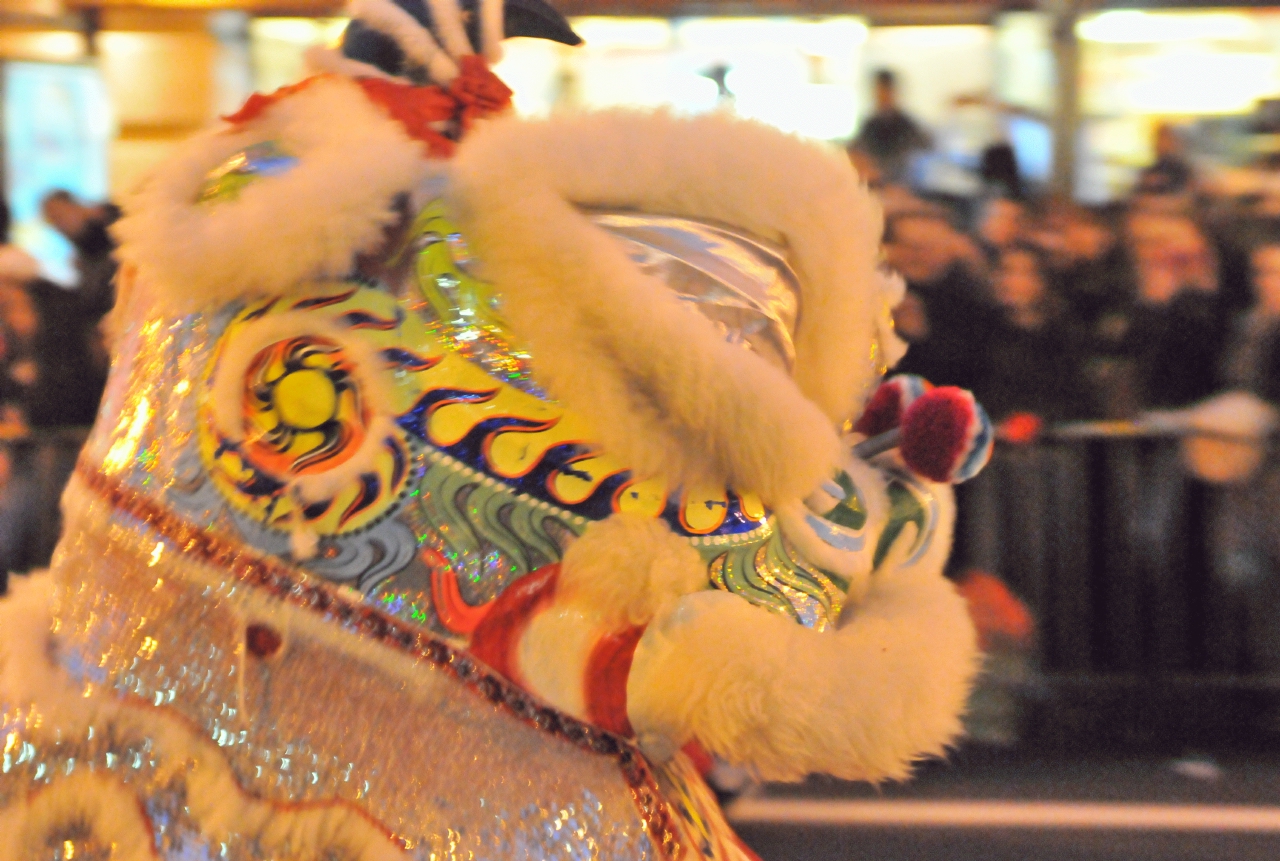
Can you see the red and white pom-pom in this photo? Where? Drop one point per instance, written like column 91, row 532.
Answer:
column 885, row 409
column 946, row 435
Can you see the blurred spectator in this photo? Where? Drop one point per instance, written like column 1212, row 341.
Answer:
column 890, row 136
column 65, row 343
column 1173, row 335
column 1170, row 173
column 87, row 228
column 1032, row 356
column 999, row 171
column 944, row 317
column 52, row 368
column 1245, row 628
column 1001, row 224
column 17, row 271
column 1253, row 354
column 1029, row 373
column 1088, row 264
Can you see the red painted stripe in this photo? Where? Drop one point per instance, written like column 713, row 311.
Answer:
column 495, row 638
column 454, row 612
column 606, row 681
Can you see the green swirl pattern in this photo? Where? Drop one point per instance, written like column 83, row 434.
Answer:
column 489, row 535
column 771, row 574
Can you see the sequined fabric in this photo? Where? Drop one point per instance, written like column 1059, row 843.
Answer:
column 428, row 748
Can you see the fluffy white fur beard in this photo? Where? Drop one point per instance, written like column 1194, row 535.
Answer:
column 863, row 702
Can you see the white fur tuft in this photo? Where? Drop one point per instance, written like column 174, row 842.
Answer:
column 446, row 15
column 659, row 385
column 26, row 623
column 862, row 703
column 553, row 654
column 492, row 30
column 626, row 568
column 309, row 222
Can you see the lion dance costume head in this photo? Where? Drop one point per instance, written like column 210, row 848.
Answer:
column 463, row 481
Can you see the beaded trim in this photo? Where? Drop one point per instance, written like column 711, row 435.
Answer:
column 303, row 591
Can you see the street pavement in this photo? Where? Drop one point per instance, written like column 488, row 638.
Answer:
column 994, row 806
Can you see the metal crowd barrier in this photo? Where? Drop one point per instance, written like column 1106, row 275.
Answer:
column 1144, row 636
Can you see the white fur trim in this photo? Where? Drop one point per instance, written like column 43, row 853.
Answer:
column 802, row 195
column 553, row 655
column 322, row 60
column 660, row 386
column 863, row 702
column 446, row 15
column 307, row 223
column 106, row 807
column 415, row 40
column 25, row 626
column 626, row 568
column 492, row 30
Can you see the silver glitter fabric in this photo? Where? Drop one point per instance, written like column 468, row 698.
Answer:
column 452, row 762
column 742, row 283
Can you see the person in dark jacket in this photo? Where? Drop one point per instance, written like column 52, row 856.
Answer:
column 889, row 135
column 946, row 314
column 1172, row 334
column 1032, row 362
column 1170, row 173
column 1029, row 376
column 1244, row 629
column 67, row 345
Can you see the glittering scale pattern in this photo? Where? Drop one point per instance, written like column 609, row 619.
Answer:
column 321, row 721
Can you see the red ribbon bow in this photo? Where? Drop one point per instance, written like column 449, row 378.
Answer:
column 425, row 113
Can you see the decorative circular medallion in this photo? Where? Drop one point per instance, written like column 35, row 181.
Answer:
column 299, row 417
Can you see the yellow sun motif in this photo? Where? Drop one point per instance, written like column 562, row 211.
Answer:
column 298, row 415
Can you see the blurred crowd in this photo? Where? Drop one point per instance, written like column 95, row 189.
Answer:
column 53, row 365
column 1049, row 309
column 1065, row 313
column 1051, row 312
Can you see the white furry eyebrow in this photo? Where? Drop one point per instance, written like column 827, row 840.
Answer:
column 447, row 16
column 412, row 38
column 492, row 29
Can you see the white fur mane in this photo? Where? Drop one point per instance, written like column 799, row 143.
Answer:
column 659, row 384
column 309, row 222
